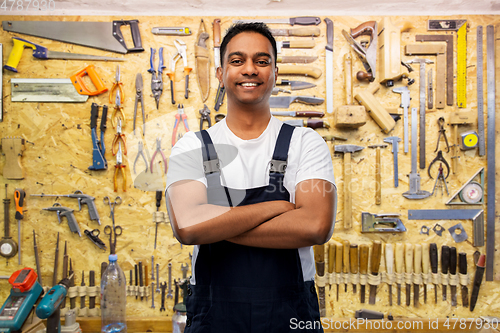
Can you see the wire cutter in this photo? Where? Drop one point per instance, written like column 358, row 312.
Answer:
column 158, row 150
column 118, row 108
column 181, row 53
column 119, row 137
column 140, row 152
column 156, row 79
column 205, row 116
column 119, row 166
column 117, row 85
column 442, row 132
column 179, row 117
column 139, row 98
column 98, row 149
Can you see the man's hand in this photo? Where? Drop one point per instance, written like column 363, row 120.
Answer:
column 309, row 224
column 194, row 221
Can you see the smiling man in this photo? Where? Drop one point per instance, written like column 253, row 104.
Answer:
column 253, row 195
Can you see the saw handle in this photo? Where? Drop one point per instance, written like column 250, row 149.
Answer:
column 136, row 34
column 366, row 28
column 20, row 44
column 81, row 88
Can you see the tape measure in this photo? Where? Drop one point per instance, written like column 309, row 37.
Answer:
column 462, row 66
column 472, row 193
column 468, row 140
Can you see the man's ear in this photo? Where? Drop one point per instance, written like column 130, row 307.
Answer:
column 276, row 75
column 219, row 76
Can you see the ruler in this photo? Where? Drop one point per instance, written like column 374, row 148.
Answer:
column 490, row 205
column 480, row 94
column 462, row 66
column 1, row 84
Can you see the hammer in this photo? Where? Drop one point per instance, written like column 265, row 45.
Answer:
column 347, row 150
column 378, row 177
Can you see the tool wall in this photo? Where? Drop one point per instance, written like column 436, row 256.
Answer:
column 57, row 152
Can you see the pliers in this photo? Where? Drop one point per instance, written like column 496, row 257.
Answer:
column 205, row 116
column 179, row 117
column 139, row 98
column 181, row 53
column 118, row 107
column 140, row 152
column 442, row 132
column 158, row 150
column 98, row 149
column 119, row 137
column 117, row 85
column 120, row 166
column 156, row 78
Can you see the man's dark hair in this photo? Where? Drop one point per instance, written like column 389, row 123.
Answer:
column 257, row 27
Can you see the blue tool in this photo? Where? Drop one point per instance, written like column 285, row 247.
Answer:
column 24, row 293
column 98, row 149
column 49, row 306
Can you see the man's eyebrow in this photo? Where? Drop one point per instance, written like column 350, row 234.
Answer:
column 263, row 54
column 237, row 53
column 242, row 54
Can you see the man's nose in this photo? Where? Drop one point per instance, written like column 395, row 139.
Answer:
column 249, row 68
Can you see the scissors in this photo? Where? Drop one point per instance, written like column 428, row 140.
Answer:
column 110, row 230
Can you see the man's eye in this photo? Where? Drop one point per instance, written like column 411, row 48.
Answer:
column 263, row 62
column 235, row 61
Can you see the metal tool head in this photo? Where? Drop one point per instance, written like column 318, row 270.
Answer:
column 117, row 75
column 438, row 229
column 377, row 146
column 205, row 112
column 348, row 148
column 158, row 143
column 138, row 83
column 420, row 61
column 119, row 126
column 118, row 98
column 401, row 90
column 181, row 51
column 180, row 109
column 119, row 156
column 458, row 233
column 393, row 140
column 332, row 138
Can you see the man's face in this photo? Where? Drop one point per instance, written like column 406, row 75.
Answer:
column 248, row 72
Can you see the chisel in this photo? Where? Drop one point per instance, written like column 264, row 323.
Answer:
column 462, row 268
column 417, row 268
column 374, row 268
column 136, row 280
column 453, row 275
column 433, row 255
column 478, row 278
column 346, row 247
column 319, row 258
column 425, row 267
column 363, row 268
column 338, row 264
column 445, row 263
column 141, row 281
column 389, row 266
column 354, row 261
column 331, row 262
column 409, row 271
column 399, row 268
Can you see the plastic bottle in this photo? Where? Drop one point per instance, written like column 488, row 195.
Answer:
column 113, row 298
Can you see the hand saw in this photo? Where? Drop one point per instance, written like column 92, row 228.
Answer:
column 100, row 35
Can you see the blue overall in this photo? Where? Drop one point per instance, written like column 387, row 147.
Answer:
column 248, row 289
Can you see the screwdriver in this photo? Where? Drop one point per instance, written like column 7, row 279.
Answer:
column 158, row 204
column 19, row 196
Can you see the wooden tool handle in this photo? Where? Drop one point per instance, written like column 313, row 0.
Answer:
column 425, row 258
column 302, row 44
column 304, row 32
column 300, row 70
column 319, row 253
column 354, row 260
column 399, row 257
column 348, row 78
column 417, row 259
column 389, row 258
column 363, row 258
column 216, row 33
column 462, row 262
column 365, row 28
column 376, row 257
column 409, row 258
column 346, row 246
column 338, row 258
column 331, row 257
column 13, row 148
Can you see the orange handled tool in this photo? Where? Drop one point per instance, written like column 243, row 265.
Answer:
column 81, row 88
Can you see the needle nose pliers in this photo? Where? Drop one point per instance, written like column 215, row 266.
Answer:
column 118, row 108
column 140, row 152
column 118, row 86
column 139, row 98
column 119, row 136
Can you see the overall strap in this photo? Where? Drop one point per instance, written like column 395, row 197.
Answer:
column 210, row 158
column 280, row 155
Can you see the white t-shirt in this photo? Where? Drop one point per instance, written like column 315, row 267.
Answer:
column 245, row 164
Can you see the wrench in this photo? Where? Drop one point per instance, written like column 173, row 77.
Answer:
column 184, row 270
column 169, row 294
column 152, row 268
column 157, row 278
column 152, row 295
column 163, row 287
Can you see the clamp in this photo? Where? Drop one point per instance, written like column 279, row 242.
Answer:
column 119, row 137
column 181, row 53
column 140, row 152
column 118, row 107
column 440, row 158
column 98, row 149
column 442, row 132
column 158, row 149
column 205, row 116
column 119, row 166
column 117, row 85
column 179, row 117
column 139, row 98
column 156, row 78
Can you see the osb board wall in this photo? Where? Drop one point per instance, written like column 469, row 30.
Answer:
column 59, row 152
